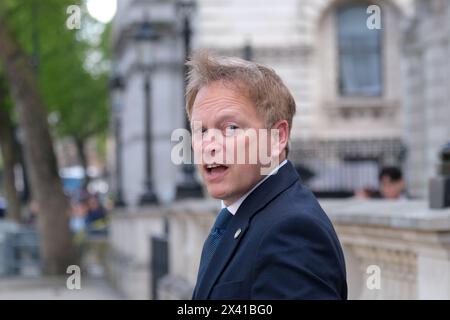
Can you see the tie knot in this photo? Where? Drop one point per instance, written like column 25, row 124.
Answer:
column 222, row 220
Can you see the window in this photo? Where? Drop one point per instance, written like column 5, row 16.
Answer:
column 360, row 63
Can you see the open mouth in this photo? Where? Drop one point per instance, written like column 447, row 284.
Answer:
column 215, row 171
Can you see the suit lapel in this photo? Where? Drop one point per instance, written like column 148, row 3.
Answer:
column 259, row 198
column 220, row 258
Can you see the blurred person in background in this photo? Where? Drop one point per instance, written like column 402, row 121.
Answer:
column 2, row 208
column 78, row 217
column 391, row 186
column 32, row 214
column 96, row 218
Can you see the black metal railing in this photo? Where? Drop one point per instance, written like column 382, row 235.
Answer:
column 160, row 262
column 337, row 168
column 19, row 252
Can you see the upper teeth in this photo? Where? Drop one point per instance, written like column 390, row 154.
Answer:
column 210, row 166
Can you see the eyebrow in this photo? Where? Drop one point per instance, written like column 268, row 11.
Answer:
column 225, row 117
column 220, row 118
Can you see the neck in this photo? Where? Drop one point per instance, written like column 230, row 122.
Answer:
column 229, row 202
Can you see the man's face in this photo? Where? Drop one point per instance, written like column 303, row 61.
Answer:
column 391, row 189
column 224, row 113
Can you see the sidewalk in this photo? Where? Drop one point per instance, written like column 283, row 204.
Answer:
column 55, row 289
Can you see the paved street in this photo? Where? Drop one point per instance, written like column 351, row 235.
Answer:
column 55, row 289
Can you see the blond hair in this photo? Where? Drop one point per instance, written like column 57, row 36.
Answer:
column 261, row 84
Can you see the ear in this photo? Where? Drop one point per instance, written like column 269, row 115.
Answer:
column 279, row 143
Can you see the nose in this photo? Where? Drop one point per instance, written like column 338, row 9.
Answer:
column 210, row 150
column 212, row 146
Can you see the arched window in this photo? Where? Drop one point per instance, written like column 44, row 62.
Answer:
column 360, row 53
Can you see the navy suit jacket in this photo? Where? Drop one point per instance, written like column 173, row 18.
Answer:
column 287, row 248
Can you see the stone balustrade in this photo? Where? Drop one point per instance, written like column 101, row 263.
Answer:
column 130, row 250
column 407, row 241
column 403, row 242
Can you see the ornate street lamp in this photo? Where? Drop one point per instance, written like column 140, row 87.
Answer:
column 145, row 36
column 189, row 186
column 117, row 88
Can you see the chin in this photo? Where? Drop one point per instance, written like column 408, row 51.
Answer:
column 217, row 194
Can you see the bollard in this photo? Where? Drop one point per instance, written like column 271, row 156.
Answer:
column 439, row 192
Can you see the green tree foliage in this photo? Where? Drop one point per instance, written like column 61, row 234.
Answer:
column 72, row 64
column 66, row 83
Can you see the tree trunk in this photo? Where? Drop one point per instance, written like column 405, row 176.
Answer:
column 9, row 161
column 80, row 144
column 56, row 242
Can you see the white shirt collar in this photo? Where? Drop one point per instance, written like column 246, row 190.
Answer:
column 233, row 208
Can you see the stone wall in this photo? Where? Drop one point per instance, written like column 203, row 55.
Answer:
column 130, row 251
column 426, row 76
column 409, row 243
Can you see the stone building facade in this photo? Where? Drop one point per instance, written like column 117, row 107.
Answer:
column 348, row 112
column 426, row 77
column 161, row 62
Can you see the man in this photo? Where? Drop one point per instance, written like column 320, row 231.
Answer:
column 271, row 240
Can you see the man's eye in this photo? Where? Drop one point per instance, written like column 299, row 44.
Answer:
column 198, row 131
column 230, row 129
